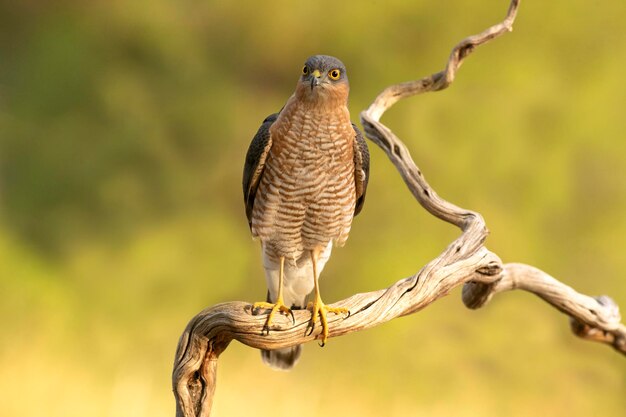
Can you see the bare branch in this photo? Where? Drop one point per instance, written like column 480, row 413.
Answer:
column 591, row 318
column 466, row 261
column 444, row 78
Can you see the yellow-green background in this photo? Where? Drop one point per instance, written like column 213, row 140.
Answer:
column 123, row 128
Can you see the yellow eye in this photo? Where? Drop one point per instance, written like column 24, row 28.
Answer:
column 305, row 70
column 334, row 74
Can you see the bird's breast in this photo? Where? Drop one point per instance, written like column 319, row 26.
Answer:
column 306, row 196
column 312, row 148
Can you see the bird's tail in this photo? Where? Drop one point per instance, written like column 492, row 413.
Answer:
column 282, row 359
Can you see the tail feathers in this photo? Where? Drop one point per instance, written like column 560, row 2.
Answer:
column 282, row 359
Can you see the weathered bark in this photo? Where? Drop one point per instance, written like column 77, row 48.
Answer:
column 465, row 261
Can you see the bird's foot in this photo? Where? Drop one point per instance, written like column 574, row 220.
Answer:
column 273, row 307
column 318, row 307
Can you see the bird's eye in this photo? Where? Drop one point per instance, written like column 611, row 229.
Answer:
column 334, row 74
column 305, row 70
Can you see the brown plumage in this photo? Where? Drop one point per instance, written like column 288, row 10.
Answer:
column 305, row 178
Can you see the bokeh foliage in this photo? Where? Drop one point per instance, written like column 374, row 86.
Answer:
column 123, row 128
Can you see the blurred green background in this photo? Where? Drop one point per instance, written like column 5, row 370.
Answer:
column 123, row 129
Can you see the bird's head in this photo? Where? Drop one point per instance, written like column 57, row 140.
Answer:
column 323, row 80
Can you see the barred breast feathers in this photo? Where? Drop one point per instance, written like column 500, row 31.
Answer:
column 306, row 196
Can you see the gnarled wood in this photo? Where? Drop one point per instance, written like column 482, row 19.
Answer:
column 465, row 261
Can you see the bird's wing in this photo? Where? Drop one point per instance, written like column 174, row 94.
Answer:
column 361, row 168
column 255, row 163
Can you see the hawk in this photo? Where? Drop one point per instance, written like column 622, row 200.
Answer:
column 304, row 180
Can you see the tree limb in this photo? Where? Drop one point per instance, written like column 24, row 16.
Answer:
column 465, row 261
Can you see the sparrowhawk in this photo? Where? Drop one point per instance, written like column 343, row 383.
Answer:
column 304, row 180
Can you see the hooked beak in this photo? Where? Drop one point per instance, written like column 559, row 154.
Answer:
column 315, row 79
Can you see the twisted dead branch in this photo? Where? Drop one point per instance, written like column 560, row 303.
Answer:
column 465, row 261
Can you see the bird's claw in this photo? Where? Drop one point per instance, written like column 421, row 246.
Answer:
column 318, row 307
column 273, row 307
column 310, row 327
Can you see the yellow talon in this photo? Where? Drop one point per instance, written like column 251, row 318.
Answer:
column 318, row 307
column 278, row 306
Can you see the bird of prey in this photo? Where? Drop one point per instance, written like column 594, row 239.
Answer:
column 304, row 180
